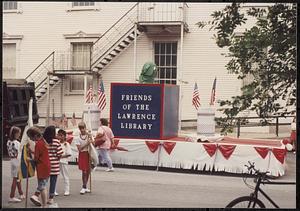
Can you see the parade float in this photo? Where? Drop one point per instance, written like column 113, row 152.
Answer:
column 145, row 117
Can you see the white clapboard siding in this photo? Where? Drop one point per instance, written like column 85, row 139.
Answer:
column 43, row 25
column 202, row 59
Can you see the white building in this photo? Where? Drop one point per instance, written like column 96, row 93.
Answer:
column 63, row 37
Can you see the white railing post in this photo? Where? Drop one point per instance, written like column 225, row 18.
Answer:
column 135, row 49
column 48, row 99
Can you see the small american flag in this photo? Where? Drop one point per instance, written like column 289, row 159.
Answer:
column 196, row 98
column 89, row 95
column 101, row 97
column 213, row 93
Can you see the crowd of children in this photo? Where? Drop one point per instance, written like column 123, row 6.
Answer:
column 50, row 155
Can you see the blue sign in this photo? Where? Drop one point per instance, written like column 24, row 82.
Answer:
column 135, row 110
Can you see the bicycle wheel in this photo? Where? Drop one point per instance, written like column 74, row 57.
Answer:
column 246, row 202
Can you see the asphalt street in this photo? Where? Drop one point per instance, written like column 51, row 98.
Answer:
column 131, row 188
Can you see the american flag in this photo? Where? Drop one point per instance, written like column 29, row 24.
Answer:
column 213, row 93
column 101, row 97
column 196, row 98
column 89, row 95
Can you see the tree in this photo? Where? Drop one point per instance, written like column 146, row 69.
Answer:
column 267, row 51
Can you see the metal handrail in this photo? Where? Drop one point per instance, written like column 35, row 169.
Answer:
column 113, row 36
column 126, row 23
column 42, row 82
column 103, row 54
column 116, row 23
column 39, row 65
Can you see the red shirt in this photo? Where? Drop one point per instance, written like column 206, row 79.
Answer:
column 41, row 156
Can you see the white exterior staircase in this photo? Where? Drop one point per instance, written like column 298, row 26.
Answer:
column 104, row 50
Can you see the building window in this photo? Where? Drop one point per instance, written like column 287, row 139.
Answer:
column 83, row 3
column 9, row 60
column 165, row 57
column 81, row 55
column 10, row 5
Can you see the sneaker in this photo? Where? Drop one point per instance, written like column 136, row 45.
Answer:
column 87, row 190
column 22, row 197
column 35, row 200
column 82, row 191
column 14, row 200
column 50, row 201
column 109, row 170
column 67, row 193
column 56, row 194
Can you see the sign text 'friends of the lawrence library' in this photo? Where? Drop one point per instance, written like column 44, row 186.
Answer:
column 137, row 110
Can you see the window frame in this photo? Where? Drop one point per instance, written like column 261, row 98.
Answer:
column 17, row 10
column 70, row 90
column 14, row 39
column 15, row 60
column 94, row 7
column 166, row 79
column 79, row 37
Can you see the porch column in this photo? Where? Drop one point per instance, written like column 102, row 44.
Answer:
column 48, row 99
column 179, row 79
column 85, row 87
column 62, row 96
column 134, row 53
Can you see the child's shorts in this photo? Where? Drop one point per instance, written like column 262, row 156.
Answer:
column 14, row 164
column 42, row 183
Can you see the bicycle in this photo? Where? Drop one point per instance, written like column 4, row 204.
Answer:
column 252, row 201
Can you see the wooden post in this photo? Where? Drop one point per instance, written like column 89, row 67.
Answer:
column 158, row 155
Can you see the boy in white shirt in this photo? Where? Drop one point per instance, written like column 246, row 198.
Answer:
column 63, row 162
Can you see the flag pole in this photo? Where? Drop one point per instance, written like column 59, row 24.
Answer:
column 90, row 126
column 27, row 174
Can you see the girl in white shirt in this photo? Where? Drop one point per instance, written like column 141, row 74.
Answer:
column 14, row 152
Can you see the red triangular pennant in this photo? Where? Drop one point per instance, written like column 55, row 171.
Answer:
column 210, row 149
column 279, row 154
column 152, row 145
column 263, row 151
column 226, row 150
column 169, row 146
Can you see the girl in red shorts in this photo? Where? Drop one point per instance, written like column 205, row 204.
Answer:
column 82, row 143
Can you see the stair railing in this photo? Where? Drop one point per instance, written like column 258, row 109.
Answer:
column 39, row 74
column 113, row 35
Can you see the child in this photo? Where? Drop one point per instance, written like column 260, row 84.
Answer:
column 293, row 137
column 82, row 143
column 55, row 152
column 63, row 163
column 14, row 152
column 103, row 150
column 41, row 157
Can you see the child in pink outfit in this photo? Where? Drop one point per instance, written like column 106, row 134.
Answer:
column 103, row 150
